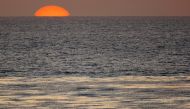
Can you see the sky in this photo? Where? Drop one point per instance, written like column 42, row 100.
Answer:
column 100, row 7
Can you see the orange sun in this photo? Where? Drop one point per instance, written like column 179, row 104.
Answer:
column 52, row 11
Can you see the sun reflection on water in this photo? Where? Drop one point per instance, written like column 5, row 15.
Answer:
column 124, row 92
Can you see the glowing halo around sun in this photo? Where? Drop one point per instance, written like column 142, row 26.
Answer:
column 51, row 11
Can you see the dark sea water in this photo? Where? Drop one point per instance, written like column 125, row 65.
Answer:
column 95, row 63
column 101, row 45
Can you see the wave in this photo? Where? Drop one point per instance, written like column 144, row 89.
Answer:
column 15, row 73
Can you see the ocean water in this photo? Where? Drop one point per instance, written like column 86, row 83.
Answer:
column 101, row 45
column 95, row 62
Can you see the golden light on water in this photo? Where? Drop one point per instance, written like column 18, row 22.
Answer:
column 93, row 93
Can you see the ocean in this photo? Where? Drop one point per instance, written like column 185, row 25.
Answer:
column 95, row 62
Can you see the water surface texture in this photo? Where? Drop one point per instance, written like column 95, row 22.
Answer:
column 95, row 62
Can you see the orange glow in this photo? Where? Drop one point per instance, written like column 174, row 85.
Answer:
column 52, row 11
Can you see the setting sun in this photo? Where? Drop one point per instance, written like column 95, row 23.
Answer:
column 52, row 11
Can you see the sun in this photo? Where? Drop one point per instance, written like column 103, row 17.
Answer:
column 51, row 11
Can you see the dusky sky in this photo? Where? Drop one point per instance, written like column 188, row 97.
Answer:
column 100, row 7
